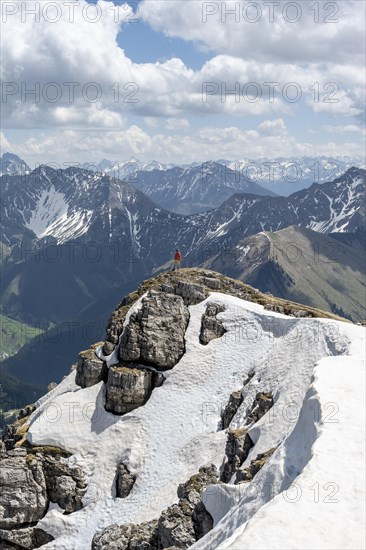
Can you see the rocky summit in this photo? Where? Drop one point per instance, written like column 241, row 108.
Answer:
column 206, row 401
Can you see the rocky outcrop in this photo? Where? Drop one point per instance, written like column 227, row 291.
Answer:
column 235, row 400
column 237, row 449
column 155, row 333
column 124, row 482
column 65, row 485
column 191, row 293
column 178, row 527
column 127, row 537
column 23, row 538
column 211, row 327
column 129, row 388
column 211, row 282
column 90, row 370
column 247, row 474
column 261, row 405
column 23, row 497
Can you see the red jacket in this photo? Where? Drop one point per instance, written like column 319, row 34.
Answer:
column 178, row 256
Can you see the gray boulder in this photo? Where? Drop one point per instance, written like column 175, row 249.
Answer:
column 191, row 293
column 211, row 327
column 155, row 333
column 26, row 537
column 211, row 282
column 128, row 388
column 90, row 370
column 23, row 496
column 127, row 537
column 125, row 481
column 65, row 485
column 176, row 527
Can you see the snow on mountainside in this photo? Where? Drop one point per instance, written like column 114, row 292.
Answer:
column 288, row 175
column 204, row 419
column 188, row 190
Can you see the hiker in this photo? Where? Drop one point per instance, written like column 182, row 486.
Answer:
column 177, row 259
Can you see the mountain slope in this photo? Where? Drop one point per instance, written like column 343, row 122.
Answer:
column 194, row 422
column 12, row 165
column 301, row 265
column 188, row 190
column 285, row 176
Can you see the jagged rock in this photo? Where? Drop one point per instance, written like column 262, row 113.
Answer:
column 127, row 537
column 191, row 293
column 27, row 411
column 176, row 528
column 237, row 449
column 26, row 537
column 23, row 498
column 300, row 313
column 179, row 526
column 167, row 288
column 128, row 388
column 211, row 327
column 235, row 400
column 125, row 481
column 211, row 282
column 190, row 492
column 65, row 485
column 108, row 348
column 90, row 369
column 248, row 473
column 274, row 307
column 155, row 333
column 262, row 403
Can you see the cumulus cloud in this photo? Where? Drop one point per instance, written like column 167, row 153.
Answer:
column 66, row 73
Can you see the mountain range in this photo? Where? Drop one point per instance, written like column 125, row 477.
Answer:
column 74, row 241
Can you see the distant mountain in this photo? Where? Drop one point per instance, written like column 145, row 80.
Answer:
column 12, row 165
column 125, row 170
column 285, row 176
column 75, row 233
column 193, row 189
column 337, row 206
column 301, row 265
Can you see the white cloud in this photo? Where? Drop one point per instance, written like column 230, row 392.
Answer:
column 273, row 128
column 177, row 124
column 85, row 53
column 345, row 128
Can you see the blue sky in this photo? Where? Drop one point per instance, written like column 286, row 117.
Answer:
column 169, row 55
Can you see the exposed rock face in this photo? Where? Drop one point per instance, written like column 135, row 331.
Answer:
column 235, row 400
column 191, row 293
column 90, row 370
column 128, row 388
column 211, row 327
column 23, row 498
column 237, row 449
column 191, row 492
column 27, row 537
column 262, row 403
column 155, row 333
column 125, row 481
column 127, row 537
column 179, row 526
column 248, row 473
column 211, row 282
column 65, row 485
column 176, row 527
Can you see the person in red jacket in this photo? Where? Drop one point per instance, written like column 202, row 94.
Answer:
column 177, row 259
